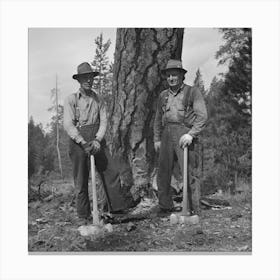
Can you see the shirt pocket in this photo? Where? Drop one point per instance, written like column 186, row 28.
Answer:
column 180, row 109
column 179, row 106
column 165, row 107
column 181, row 115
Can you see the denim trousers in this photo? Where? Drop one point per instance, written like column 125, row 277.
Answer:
column 169, row 151
column 109, row 172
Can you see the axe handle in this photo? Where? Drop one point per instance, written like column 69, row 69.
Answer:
column 95, row 217
column 185, row 180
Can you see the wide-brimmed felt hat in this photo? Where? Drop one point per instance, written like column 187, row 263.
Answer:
column 174, row 64
column 84, row 69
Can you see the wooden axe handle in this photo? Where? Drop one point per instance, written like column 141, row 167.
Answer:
column 185, row 180
column 94, row 195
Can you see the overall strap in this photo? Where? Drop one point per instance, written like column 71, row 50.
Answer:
column 77, row 110
column 99, row 102
column 164, row 99
column 187, row 98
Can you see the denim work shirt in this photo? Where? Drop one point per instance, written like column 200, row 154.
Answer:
column 81, row 110
column 171, row 109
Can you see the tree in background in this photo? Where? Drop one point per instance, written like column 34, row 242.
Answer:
column 58, row 138
column 237, row 52
column 40, row 159
column 56, row 124
column 198, row 82
column 139, row 56
column 227, row 137
column 57, row 109
column 103, row 82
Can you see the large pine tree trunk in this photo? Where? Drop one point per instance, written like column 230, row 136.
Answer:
column 139, row 56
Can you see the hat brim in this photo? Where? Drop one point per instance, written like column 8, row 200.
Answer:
column 180, row 69
column 94, row 74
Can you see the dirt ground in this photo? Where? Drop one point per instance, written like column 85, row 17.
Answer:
column 52, row 227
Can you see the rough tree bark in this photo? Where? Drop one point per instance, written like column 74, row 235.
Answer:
column 140, row 54
column 57, row 129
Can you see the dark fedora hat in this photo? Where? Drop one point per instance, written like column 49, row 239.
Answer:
column 84, row 69
column 174, row 64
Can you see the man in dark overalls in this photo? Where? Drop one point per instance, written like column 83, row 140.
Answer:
column 181, row 115
column 85, row 121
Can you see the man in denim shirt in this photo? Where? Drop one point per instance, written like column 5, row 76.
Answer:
column 85, row 121
column 181, row 115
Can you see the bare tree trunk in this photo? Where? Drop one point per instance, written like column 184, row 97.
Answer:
column 100, row 82
column 140, row 55
column 202, row 160
column 57, row 129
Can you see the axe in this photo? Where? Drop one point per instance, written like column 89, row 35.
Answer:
column 184, row 217
column 95, row 216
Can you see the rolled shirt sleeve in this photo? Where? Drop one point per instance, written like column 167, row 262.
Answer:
column 200, row 112
column 103, row 121
column 69, row 119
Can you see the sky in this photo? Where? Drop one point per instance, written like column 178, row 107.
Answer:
column 58, row 51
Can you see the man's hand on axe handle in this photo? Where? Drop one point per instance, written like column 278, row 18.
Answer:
column 86, row 146
column 185, row 140
column 95, row 146
column 91, row 146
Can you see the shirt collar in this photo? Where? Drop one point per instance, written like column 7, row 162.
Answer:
column 176, row 93
column 79, row 94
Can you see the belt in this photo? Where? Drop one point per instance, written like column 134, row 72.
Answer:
column 178, row 124
column 88, row 125
column 88, row 131
column 173, row 123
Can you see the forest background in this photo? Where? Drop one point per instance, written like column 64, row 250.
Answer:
column 226, row 142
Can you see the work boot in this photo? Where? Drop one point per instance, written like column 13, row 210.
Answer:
column 119, row 212
column 162, row 212
column 133, row 203
column 130, row 207
column 196, row 211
